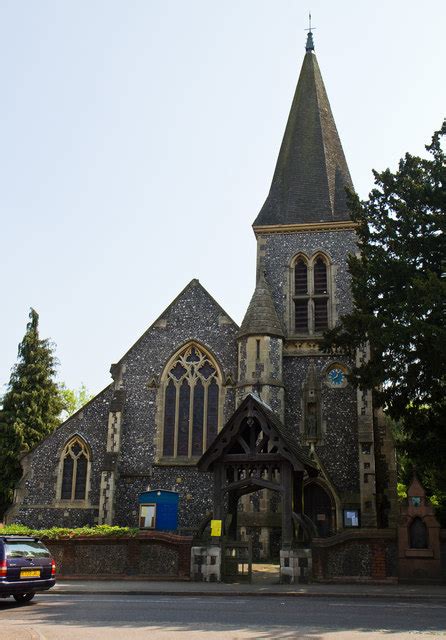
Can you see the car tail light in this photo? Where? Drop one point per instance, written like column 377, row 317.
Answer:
column 53, row 568
column 3, row 569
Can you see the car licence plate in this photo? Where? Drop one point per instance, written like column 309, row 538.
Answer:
column 35, row 573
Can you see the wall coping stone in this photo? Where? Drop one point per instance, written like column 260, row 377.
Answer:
column 358, row 534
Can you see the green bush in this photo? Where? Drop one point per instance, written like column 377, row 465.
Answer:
column 56, row 533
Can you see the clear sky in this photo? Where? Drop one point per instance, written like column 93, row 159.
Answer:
column 138, row 140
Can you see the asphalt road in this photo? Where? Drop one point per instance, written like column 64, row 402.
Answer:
column 110, row 617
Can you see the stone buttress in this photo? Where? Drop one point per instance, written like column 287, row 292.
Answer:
column 109, row 474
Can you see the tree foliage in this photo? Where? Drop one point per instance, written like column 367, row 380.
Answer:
column 31, row 405
column 74, row 399
column 399, row 293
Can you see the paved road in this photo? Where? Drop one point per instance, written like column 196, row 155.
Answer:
column 126, row 617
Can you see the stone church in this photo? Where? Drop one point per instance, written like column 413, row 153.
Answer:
column 190, row 373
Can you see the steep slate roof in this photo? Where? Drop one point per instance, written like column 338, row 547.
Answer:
column 261, row 317
column 311, row 172
column 291, row 448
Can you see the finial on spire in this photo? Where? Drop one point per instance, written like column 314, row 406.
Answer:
column 310, row 44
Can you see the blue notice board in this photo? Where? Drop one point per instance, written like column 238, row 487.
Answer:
column 158, row 509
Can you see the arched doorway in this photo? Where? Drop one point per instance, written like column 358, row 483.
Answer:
column 318, row 506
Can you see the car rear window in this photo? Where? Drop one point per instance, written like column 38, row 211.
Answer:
column 19, row 549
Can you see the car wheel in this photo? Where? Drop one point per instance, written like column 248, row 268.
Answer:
column 23, row 597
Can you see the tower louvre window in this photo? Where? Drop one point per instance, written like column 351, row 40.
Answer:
column 310, row 313
column 320, row 276
column 301, row 315
column 300, row 278
column 320, row 314
column 191, row 404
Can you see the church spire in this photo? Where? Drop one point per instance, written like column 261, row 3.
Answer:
column 311, row 172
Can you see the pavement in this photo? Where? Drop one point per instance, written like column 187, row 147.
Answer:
column 265, row 582
column 142, row 587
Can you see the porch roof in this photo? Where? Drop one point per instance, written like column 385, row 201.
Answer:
column 285, row 442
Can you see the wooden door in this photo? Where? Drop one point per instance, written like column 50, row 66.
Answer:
column 318, row 507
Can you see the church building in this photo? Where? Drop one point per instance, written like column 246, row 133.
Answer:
column 187, row 395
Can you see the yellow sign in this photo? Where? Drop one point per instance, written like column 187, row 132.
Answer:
column 215, row 528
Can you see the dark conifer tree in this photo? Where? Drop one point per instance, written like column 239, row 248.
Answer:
column 399, row 291
column 31, row 406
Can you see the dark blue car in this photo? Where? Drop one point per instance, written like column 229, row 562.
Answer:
column 26, row 566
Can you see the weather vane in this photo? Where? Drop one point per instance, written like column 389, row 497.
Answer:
column 310, row 43
column 310, row 28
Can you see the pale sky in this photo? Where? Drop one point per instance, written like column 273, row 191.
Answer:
column 138, row 140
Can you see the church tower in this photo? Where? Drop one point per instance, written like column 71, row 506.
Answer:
column 304, row 236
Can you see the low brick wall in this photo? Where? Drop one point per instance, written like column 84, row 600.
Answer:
column 443, row 553
column 150, row 555
column 364, row 555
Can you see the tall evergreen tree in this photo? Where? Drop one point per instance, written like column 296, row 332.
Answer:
column 399, row 290
column 31, row 405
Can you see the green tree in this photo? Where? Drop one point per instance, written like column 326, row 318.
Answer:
column 399, row 294
column 31, row 405
column 74, row 399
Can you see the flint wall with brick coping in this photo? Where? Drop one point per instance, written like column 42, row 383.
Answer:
column 151, row 555
column 364, row 555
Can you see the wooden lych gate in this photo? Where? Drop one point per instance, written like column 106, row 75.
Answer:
column 254, row 451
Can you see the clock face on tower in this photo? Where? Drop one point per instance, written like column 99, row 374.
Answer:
column 336, row 376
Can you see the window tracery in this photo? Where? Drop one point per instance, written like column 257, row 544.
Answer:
column 75, row 463
column 192, row 388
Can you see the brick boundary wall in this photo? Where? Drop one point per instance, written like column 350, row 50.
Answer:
column 443, row 554
column 149, row 555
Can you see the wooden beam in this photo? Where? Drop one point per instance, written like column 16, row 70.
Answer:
column 256, row 483
column 286, row 475
column 258, row 458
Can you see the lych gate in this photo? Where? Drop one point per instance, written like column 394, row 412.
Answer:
column 252, row 452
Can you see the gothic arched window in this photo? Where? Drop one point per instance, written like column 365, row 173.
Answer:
column 75, row 464
column 418, row 534
column 192, row 388
column 310, row 295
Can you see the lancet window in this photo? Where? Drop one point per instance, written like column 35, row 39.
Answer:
column 75, row 464
column 192, row 390
column 310, row 295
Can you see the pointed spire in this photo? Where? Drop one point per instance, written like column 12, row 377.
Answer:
column 261, row 317
column 311, row 172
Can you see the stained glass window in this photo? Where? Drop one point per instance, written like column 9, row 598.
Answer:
column 75, row 462
column 169, row 418
column 197, row 432
column 191, row 404
column 183, row 419
column 67, row 477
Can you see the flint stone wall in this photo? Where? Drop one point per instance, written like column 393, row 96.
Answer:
column 338, row 443
column 193, row 315
column 148, row 555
